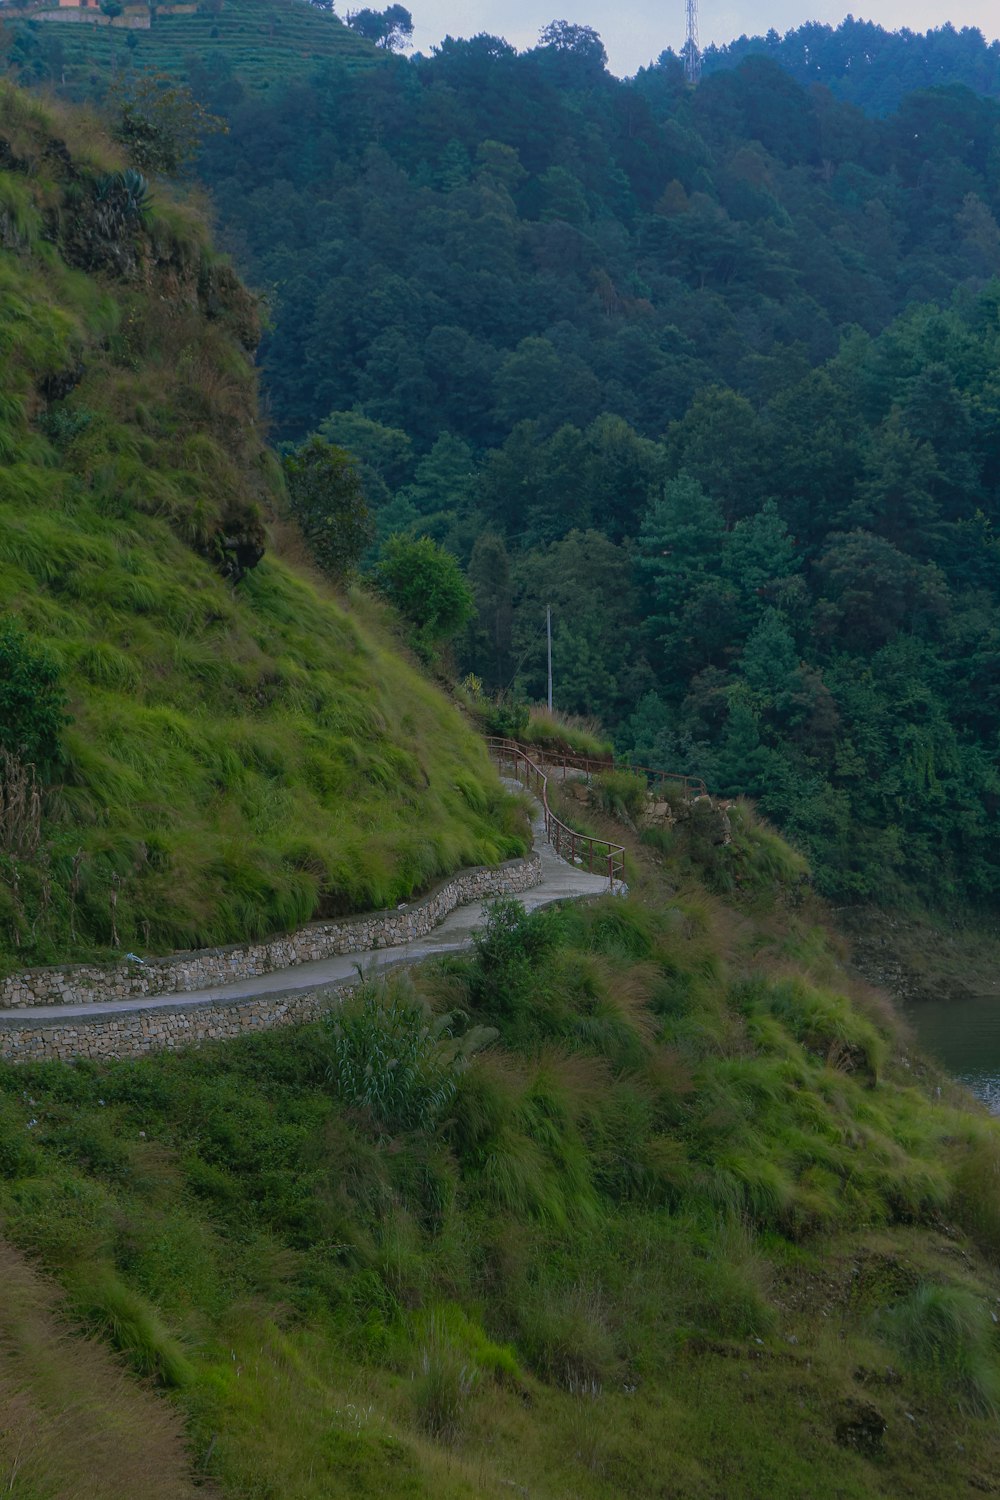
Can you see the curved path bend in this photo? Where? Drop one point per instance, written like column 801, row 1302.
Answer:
column 560, row 880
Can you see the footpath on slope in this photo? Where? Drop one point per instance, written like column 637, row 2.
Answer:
column 278, row 990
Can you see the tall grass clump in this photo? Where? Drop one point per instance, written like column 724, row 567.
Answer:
column 948, row 1336
column 132, row 1325
column 554, row 731
column 390, row 1057
column 624, row 794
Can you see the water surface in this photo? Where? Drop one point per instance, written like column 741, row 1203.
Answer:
column 964, row 1036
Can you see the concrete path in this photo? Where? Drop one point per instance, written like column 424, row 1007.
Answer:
column 559, row 881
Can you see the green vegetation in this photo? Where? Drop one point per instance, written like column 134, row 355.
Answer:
column 326, row 498
column 243, row 45
column 425, row 584
column 558, row 731
column 708, row 371
column 242, row 753
column 894, row 63
column 634, row 1194
column 32, row 701
column 71, row 1424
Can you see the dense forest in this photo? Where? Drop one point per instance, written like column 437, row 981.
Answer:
column 712, row 372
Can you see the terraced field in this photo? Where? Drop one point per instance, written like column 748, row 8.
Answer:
column 263, row 42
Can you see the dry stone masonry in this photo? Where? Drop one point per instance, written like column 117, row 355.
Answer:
column 131, row 1031
column 83, row 984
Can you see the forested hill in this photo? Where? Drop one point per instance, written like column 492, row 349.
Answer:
column 416, row 223
column 630, row 349
column 862, row 62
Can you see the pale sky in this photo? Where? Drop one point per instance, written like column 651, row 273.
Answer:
column 637, row 31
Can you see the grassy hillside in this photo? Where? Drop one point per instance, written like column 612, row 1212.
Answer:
column 636, row 1198
column 243, row 753
column 260, row 43
column 73, row 1421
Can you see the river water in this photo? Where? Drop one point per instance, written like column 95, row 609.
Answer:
column 964, row 1035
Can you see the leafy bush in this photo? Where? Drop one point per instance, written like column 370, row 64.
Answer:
column 426, row 585
column 508, row 950
column 507, row 718
column 328, row 500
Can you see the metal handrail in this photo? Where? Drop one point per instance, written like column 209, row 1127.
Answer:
column 599, row 855
column 592, row 765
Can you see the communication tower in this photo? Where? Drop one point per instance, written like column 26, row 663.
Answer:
column 692, row 52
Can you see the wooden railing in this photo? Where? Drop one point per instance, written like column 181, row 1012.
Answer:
column 599, row 856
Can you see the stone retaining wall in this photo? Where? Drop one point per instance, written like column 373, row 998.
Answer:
column 131, row 1033
column 83, row 984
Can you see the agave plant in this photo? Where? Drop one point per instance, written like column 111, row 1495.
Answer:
column 122, row 199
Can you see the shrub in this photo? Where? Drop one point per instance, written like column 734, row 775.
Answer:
column 506, row 718
column 507, row 952
column 328, row 500
column 425, row 583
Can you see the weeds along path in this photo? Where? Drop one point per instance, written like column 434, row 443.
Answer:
column 561, row 880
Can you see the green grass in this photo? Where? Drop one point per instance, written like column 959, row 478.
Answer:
column 240, row 759
column 565, row 732
column 682, row 1268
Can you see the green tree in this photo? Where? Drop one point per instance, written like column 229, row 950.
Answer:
column 328, row 500
column 425, row 584
column 159, row 122
column 681, row 550
column 719, row 442
column 390, row 29
column 443, row 479
column 489, row 647
column 759, row 560
column 895, row 496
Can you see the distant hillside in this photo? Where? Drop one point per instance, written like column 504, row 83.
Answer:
column 528, row 295
column 241, row 753
column 252, row 45
column 866, row 65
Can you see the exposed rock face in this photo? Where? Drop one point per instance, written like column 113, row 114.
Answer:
column 861, row 1426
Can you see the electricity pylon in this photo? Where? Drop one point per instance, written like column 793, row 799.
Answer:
column 692, row 52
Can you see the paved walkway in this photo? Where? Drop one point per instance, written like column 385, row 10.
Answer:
column 559, row 881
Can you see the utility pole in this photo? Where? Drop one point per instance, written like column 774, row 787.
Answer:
column 692, row 52
column 548, row 637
